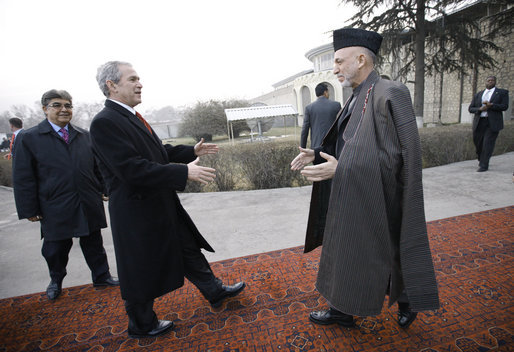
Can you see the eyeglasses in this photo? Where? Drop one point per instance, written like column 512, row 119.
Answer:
column 58, row 106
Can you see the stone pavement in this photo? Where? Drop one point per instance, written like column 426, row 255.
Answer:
column 249, row 222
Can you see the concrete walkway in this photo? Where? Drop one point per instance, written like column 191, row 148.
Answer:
column 243, row 223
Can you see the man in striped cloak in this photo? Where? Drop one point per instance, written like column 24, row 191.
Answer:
column 375, row 240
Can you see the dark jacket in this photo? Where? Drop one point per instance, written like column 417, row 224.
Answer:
column 58, row 181
column 375, row 239
column 142, row 176
column 318, row 117
column 500, row 101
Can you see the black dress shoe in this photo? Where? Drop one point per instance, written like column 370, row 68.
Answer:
column 226, row 291
column 331, row 316
column 53, row 290
column 482, row 169
column 162, row 327
column 406, row 317
column 110, row 281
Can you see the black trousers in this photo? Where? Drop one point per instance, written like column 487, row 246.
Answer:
column 484, row 139
column 56, row 256
column 142, row 318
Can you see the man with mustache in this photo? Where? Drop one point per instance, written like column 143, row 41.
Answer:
column 57, row 183
column 156, row 242
column 375, row 241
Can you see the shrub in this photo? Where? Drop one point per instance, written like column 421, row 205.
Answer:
column 5, row 171
column 267, row 165
column 264, row 165
column 443, row 145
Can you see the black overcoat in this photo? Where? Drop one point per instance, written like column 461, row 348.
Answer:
column 142, row 176
column 58, row 181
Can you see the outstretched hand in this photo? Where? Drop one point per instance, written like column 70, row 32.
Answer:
column 199, row 173
column 322, row 171
column 305, row 157
column 202, row 148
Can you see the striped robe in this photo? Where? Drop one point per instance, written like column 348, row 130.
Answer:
column 375, row 240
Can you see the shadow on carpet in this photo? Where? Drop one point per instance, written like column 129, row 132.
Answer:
column 473, row 257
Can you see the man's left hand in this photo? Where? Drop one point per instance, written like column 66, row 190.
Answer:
column 322, row 171
column 202, row 148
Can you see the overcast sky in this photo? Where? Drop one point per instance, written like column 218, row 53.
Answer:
column 184, row 51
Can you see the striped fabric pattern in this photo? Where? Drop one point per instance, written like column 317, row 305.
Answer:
column 375, row 240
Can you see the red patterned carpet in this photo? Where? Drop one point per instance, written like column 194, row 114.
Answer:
column 474, row 261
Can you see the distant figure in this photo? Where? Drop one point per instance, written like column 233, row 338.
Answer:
column 16, row 125
column 5, row 144
column 375, row 241
column 57, row 183
column 156, row 242
column 488, row 105
column 318, row 117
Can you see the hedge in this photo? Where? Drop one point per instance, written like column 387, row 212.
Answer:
column 264, row 165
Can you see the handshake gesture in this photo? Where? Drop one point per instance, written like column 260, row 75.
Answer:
column 320, row 172
column 199, row 173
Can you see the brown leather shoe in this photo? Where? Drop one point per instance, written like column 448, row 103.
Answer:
column 163, row 326
column 331, row 316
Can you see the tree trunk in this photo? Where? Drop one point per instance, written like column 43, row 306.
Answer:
column 419, row 78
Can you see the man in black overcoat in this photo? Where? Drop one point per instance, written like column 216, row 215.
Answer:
column 155, row 241
column 318, row 118
column 488, row 106
column 57, row 183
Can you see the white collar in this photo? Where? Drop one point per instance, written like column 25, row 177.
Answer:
column 129, row 108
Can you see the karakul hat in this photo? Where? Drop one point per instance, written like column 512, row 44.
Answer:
column 345, row 37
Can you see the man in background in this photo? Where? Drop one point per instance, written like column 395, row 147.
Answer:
column 318, row 118
column 156, row 242
column 488, row 106
column 16, row 125
column 56, row 182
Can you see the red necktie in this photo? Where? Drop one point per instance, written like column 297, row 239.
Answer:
column 144, row 122
column 10, row 147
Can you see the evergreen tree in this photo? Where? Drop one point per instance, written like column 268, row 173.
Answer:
column 455, row 42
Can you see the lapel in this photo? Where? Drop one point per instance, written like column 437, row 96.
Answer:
column 495, row 95
column 360, row 103
column 45, row 127
column 73, row 132
column 133, row 120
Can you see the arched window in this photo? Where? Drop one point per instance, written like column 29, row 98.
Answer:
column 306, row 96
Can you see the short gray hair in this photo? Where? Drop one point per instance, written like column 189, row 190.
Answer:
column 109, row 71
column 55, row 94
column 371, row 55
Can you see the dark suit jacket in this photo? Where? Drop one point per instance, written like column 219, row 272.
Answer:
column 500, row 101
column 142, row 176
column 58, row 181
column 318, row 117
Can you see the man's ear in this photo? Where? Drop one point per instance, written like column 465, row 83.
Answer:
column 361, row 60
column 44, row 108
column 111, row 85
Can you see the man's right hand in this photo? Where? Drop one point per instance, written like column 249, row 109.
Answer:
column 35, row 218
column 305, row 157
column 199, row 173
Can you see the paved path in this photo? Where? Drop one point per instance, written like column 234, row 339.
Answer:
column 242, row 223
